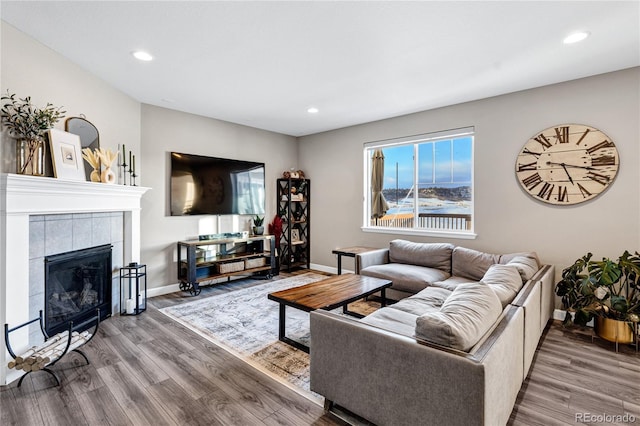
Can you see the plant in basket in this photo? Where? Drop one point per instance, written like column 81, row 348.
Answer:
column 602, row 289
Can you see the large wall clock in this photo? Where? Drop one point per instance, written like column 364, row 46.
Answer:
column 567, row 164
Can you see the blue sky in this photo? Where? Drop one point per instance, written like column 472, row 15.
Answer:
column 459, row 170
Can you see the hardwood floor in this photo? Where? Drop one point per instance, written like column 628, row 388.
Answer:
column 148, row 369
column 574, row 375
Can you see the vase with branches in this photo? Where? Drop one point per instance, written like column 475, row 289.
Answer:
column 28, row 124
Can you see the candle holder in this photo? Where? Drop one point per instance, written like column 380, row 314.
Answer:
column 133, row 179
column 134, row 278
column 122, row 173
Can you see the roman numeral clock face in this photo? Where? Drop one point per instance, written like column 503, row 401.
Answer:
column 567, row 164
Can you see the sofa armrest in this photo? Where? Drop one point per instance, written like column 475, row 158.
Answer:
column 548, row 287
column 529, row 300
column 369, row 258
column 389, row 378
column 544, row 279
column 536, row 299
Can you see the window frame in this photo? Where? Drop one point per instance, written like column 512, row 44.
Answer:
column 415, row 140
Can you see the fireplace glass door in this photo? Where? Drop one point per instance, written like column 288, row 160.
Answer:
column 76, row 284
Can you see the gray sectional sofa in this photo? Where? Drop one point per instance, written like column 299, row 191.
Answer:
column 453, row 350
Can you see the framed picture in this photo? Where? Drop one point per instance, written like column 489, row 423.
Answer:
column 66, row 155
column 295, row 235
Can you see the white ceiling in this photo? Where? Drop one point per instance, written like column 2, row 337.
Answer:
column 262, row 64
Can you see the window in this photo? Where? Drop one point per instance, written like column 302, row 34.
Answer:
column 420, row 184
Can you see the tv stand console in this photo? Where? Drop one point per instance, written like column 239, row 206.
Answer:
column 200, row 261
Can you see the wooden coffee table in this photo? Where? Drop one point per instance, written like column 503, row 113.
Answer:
column 327, row 294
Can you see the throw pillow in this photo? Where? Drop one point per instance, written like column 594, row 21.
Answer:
column 504, row 280
column 527, row 266
column 472, row 264
column 506, row 258
column 431, row 255
column 463, row 319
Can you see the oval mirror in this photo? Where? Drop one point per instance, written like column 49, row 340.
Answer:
column 89, row 137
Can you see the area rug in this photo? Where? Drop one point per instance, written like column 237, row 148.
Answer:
column 245, row 323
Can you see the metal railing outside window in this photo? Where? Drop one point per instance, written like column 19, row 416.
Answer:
column 421, row 183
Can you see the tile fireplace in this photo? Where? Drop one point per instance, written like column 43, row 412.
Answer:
column 31, row 207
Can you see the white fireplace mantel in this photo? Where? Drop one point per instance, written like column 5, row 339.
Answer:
column 41, row 195
column 22, row 196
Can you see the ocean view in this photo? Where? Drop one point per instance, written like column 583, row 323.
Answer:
column 430, row 205
column 440, row 200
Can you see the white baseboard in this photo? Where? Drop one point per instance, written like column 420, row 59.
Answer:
column 323, row 268
column 559, row 314
column 159, row 291
column 172, row 288
column 329, row 269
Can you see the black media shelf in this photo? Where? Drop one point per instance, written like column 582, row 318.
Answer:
column 294, row 202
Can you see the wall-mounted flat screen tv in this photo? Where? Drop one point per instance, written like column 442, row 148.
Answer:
column 218, row 186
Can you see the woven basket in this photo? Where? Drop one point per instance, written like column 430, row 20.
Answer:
column 225, row 268
column 255, row 262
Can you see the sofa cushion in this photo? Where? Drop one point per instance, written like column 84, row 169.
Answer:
column 428, row 300
column 394, row 320
column 431, row 255
column 407, row 278
column 472, row 264
column 452, row 282
column 463, row 319
column 504, row 280
column 526, row 266
column 433, row 295
column 401, row 317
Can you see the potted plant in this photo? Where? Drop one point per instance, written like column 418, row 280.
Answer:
column 258, row 229
column 28, row 124
column 607, row 291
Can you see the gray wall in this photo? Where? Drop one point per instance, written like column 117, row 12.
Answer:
column 28, row 68
column 506, row 218
column 31, row 69
column 165, row 130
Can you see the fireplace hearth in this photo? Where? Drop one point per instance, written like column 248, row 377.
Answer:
column 76, row 284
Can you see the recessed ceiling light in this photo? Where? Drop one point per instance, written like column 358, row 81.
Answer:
column 313, row 110
column 575, row 37
column 142, row 55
